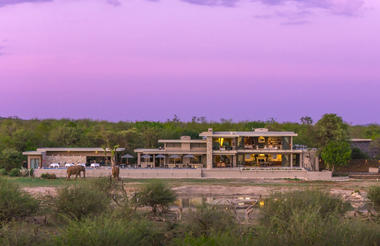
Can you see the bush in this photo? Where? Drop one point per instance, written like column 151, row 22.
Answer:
column 108, row 230
column 208, row 219
column 374, row 195
column 22, row 234
column 15, row 203
column 15, row 172
column 282, row 205
column 80, row 200
column 3, row 172
column 11, row 158
column 31, row 172
column 48, row 176
column 157, row 195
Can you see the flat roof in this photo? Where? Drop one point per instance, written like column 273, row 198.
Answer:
column 39, row 151
column 249, row 134
column 361, row 140
column 182, row 141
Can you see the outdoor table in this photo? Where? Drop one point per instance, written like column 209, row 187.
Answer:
column 69, row 165
column 95, row 165
column 54, row 165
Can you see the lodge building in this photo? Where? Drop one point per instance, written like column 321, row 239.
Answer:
column 231, row 149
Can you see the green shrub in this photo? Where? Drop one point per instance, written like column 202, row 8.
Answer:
column 374, row 195
column 3, row 172
column 80, row 200
column 15, row 172
column 48, row 176
column 108, row 230
column 283, row 205
column 31, row 172
column 15, row 203
column 157, row 195
column 23, row 234
column 208, row 219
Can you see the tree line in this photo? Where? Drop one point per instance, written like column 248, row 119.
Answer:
column 18, row 135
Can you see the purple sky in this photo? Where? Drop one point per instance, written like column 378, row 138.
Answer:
column 148, row 60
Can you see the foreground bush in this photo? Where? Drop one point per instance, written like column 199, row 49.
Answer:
column 283, row 205
column 80, row 200
column 15, row 203
column 374, row 195
column 208, row 219
column 22, row 234
column 108, row 230
column 3, row 172
column 48, row 176
column 15, row 172
column 157, row 195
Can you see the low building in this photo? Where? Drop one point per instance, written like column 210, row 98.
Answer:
column 43, row 157
column 364, row 145
column 257, row 148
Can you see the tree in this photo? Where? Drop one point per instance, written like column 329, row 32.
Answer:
column 10, row 158
column 306, row 120
column 330, row 128
column 157, row 195
column 336, row 154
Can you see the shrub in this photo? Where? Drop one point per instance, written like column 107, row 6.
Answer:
column 15, row 172
column 22, row 234
column 374, row 195
column 48, row 176
column 31, row 172
column 80, row 200
column 208, row 219
column 282, row 205
column 10, row 158
column 24, row 172
column 15, row 203
column 3, row 172
column 157, row 195
column 108, row 230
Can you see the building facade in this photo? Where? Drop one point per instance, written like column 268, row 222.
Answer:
column 257, row 148
column 43, row 157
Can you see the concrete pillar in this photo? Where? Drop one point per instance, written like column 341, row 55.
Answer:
column 209, row 152
column 138, row 159
column 234, row 157
column 154, row 161
column 291, row 160
column 291, row 143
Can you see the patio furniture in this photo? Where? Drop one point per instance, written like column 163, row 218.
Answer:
column 54, row 165
column 95, row 165
column 69, row 164
column 82, row 164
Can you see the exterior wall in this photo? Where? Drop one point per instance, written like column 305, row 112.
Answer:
column 364, row 146
column 310, row 160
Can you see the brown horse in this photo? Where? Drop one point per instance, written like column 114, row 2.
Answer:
column 76, row 170
column 115, row 172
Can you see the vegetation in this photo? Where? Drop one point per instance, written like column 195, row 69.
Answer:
column 157, row 195
column 336, row 154
column 14, row 172
column 15, row 203
column 296, row 218
column 80, row 200
column 48, row 176
column 374, row 195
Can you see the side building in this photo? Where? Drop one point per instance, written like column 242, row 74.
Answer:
column 43, row 157
column 233, row 149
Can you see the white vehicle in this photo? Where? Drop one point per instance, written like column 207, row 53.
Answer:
column 69, row 164
column 95, row 165
column 54, row 165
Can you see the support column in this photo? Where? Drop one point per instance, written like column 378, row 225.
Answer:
column 234, row 157
column 209, row 152
column 138, row 159
column 154, row 161
column 291, row 160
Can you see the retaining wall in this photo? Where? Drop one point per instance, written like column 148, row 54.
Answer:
column 198, row 173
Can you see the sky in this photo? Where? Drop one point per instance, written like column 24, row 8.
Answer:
column 132, row 60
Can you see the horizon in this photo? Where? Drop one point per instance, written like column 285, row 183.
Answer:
column 245, row 60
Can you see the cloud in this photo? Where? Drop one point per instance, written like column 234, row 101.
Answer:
column 225, row 3
column 10, row 2
column 114, row 2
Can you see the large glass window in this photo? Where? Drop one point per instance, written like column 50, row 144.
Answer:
column 34, row 163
